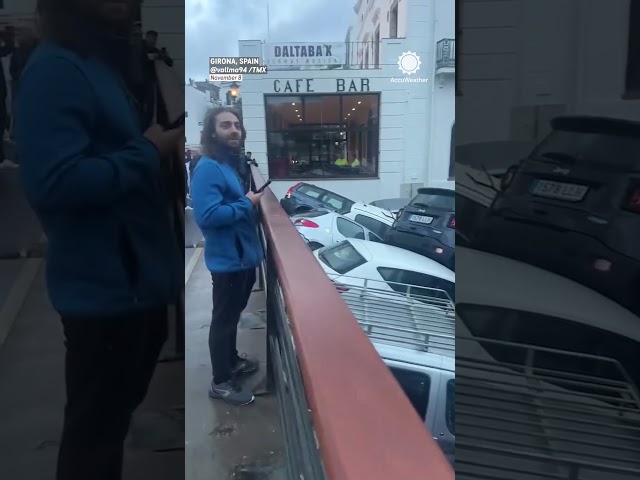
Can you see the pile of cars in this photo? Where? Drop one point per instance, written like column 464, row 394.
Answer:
column 424, row 224
column 547, row 308
column 392, row 263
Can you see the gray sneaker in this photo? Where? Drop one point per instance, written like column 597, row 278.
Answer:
column 230, row 392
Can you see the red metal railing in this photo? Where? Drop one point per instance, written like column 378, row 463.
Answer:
column 365, row 426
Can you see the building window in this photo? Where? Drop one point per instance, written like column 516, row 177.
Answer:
column 322, row 136
column 452, row 154
column 393, row 21
column 376, row 48
column 458, row 43
column 633, row 55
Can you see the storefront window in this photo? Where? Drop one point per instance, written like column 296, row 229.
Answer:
column 322, row 136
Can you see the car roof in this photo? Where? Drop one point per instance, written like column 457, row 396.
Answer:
column 394, row 257
column 436, row 191
column 411, row 356
column 374, row 211
column 492, row 280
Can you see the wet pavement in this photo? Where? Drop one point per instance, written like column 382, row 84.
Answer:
column 225, row 442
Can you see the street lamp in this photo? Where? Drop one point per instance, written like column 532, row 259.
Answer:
column 234, row 88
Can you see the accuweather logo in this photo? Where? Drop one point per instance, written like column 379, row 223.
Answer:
column 409, row 63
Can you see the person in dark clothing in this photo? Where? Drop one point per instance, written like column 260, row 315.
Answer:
column 7, row 46
column 154, row 104
column 26, row 44
column 224, row 210
column 97, row 182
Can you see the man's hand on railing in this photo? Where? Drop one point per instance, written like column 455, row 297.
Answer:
column 254, row 197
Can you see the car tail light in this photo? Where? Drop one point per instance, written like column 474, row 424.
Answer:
column 633, row 199
column 303, row 222
column 290, row 191
column 452, row 222
column 341, row 288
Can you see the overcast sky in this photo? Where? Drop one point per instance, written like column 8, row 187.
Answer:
column 213, row 27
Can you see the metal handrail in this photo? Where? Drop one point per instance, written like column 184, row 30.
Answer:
column 534, row 415
column 322, row 365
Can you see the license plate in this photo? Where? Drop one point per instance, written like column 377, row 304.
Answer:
column 559, row 190
column 420, row 219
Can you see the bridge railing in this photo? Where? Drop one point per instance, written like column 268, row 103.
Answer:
column 344, row 415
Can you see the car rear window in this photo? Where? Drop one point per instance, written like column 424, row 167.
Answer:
column 400, row 280
column 342, row 258
column 341, row 204
column 592, row 148
column 439, row 201
column 310, row 191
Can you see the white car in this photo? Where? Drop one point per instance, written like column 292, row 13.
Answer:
column 415, row 336
column 551, row 370
column 354, row 262
column 323, row 228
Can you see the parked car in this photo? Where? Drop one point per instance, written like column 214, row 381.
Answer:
column 577, row 197
column 416, row 341
column 550, row 367
column 324, row 227
column 427, row 226
column 394, row 205
column 303, row 197
column 353, row 261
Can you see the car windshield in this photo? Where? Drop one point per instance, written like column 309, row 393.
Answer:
column 341, row 258
column 545, row 331
column 438, row 201
column 591, row 148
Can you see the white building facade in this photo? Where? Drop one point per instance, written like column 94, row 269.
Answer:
column 525, row 83
column 302, row 123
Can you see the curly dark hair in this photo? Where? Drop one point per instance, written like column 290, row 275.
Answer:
column 210, row 147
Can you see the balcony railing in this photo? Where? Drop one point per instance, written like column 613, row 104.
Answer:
column 344, row 415
column 446, row 54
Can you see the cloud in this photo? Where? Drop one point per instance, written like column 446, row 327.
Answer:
column 213, row 27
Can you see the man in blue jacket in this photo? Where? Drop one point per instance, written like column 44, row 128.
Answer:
column 98, row 185
column 223, row 208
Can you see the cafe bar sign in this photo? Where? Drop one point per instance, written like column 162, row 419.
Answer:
column 305, row 54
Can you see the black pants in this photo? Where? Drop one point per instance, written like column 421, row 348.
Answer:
column 231, row 292
column 109, row 366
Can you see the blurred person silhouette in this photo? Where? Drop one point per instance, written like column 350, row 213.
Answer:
column 7, row 47
column 97, row 183
column 153, row 101
column 224, row 209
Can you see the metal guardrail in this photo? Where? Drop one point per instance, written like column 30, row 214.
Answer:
column 330, row 381
column 530, row 418
column 411, row 320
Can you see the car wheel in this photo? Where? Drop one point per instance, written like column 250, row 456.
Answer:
column 315, row 246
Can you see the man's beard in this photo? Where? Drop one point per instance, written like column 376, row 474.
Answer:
column 227, row 143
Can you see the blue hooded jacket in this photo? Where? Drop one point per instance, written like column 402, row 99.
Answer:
column 225, row 216
column 98, row 187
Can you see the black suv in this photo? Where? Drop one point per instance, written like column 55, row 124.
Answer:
column 577, row 197
column 427, row 226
